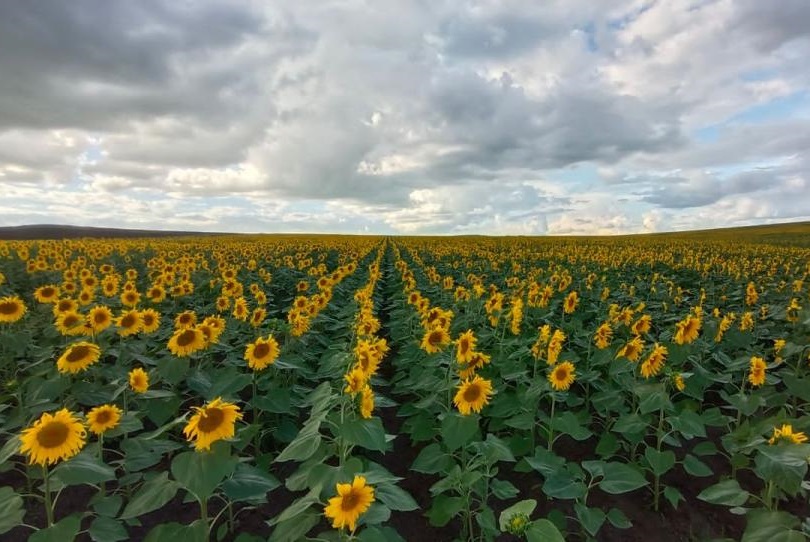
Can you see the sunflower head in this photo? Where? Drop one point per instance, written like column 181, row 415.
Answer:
column 138, row 380
column 52, row 437
column 103, row 418
column 12, row 309
column 261, row 353
column 351, row 502
column 473, row 395
column 78, row 357
column 212, row 422
column 562, row 376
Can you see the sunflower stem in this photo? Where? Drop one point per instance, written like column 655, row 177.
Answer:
column 101, row 458
column 257, row 436
column 48, row 503
column 204, row 515
column 551, row 422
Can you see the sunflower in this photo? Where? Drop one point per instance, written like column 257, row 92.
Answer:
column 642, row 325
column 355, row 380
column 756, row 375
column 186, row 341
column 103, row 418
column 99, row 318
column 129, row 323
column 66, row 304
column 632, row 349
column 465, row 345
column 562, row 376
column 479, row 359
column 368, row 358
column 654, row 362
column 680, row 385
column 47, row 294
column 240, row 309
column 185, row 320
column 472, row 395
column 366, row 401
column 351, row 501
column 138, row 380
column 555, row 345
column 53, row 437
column 261, row 353
column 786, row 434
column 571, row 303
column 257, row 317
column 687, row 330
column 216, row 324
column 130, row 298
column 70, row 323
column 150, row 321
column 156, row 294
column 435, row 340
column 12, row 309
column 212, row 422
column 603, row 335
column 78, row 357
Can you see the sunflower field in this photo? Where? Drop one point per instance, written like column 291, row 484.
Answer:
column 332, row 388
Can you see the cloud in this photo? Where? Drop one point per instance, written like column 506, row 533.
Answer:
column 420, row 117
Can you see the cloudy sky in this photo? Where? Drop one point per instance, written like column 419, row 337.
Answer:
column 419, row 116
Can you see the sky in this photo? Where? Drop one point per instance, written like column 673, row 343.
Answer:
column 405, row 117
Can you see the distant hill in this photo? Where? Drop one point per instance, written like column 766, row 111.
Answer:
column 54, row 231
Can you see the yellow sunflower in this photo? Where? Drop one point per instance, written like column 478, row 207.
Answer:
column 603, row 335
column 70, row 323
column 103, row 418
column 687, row 330
column 185, row 320
column 12, row 309
column 186, row 341
column 129, row 323
column 571, row 303
column 654, row 362
column 473, row 395
column 632, row 349
column 465, row 345
column 47, row 294
column 756, row 375
column 257, row 317
column 212, row 422
column 65, row 304
column 130, row 298
column 138, row 380
column 562, row 376
column 786, row 434
column 99, row 318
column 366, row 401
column 53, row 437
column 435, row 340
column 351, row 501
column 78, row 357
column 261, row 353
column 150, row 321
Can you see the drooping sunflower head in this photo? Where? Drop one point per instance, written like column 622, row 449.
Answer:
column 261, row 353
column 787, row 435
column 473, row 395
column 571, row 303
column 103, row 418
column 756, row 374
column 78, row 357
column 465, row 345
column 562, row 376
column 366, row 402
column 351, row 502
column 52, row 437
column 12, row 309
column 212, row 422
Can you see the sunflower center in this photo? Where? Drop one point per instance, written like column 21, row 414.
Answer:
column 100, row 318
column 103, row 417
column 435, row 338
column 350, row 501
column 261, row 350
column 53, row 435
column 8, row 308
column 71, row 320
column 464, row 346
column 186, row 338
column 78, row 353
column 128, row 321
column 472, row 393
column 47, row 292
column 561, row 374
column 210, row 419
column 148, row 320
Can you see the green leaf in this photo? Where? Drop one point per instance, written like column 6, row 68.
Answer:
column 85, row 468
column 366, row 433
column 630, row 423
column 10, row 448
column 249, row 484
column 174, row 532
column 784, row 465
column 542, row 530
column 295, row 528
column 297, row 507
column 673, row 495
column 376, row 514
column 660, row 462
column 727, row 492
column 503, row 489
column 563, row 485
column 525, row 507
column 695, row 466
column 432, row 460
column 591, row 519
column 153, row 495
column 375, row 533
column 201, row 472
column 608, row 445
column 444, row 509
column 688, row 423
column 458, row 430
column 104, row 529
column 64, row 530
column 305, row 443
column 11, row 509
column 545, row 462
column 107, row 505
column 766, row 526
column 617, row 518
column 653, row 397
column 621, row 478
column 395, row 498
